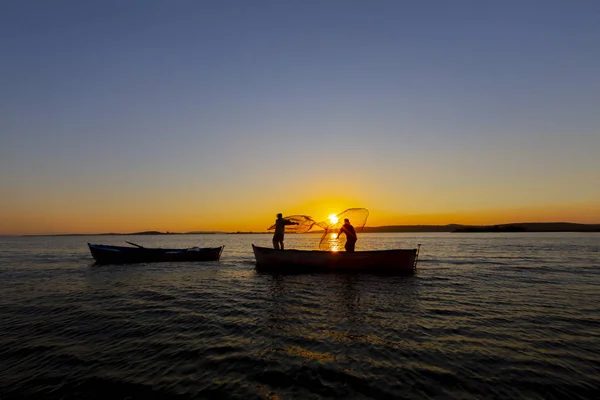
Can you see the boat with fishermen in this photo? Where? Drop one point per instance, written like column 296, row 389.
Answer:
column 395, row 261
column 106, row 254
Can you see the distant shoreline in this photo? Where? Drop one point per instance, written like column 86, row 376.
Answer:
column 451, row 228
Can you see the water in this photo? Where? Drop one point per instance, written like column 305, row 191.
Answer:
column 486, row 316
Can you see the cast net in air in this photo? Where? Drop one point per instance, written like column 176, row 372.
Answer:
column 331, row 226
column 305, row 224
column 330, row 240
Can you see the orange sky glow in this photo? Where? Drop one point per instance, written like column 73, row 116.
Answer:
column 212, row 117
column 257, row 217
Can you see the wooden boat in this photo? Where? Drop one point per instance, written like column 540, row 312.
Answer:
column 104, row 254
column 397, row 261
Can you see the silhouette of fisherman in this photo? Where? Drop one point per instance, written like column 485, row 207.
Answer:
column 280, row 224
column 351, row 238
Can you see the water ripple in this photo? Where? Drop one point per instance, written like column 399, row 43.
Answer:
column 505, row 316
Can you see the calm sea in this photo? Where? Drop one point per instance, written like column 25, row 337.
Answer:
column 504, row 316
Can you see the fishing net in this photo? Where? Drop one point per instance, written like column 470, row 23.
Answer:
column 305, row 223
column 330, row 240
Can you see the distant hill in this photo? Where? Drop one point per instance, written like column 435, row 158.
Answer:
column 532, row 227
column 516, row 227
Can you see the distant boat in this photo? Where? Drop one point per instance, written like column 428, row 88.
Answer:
column 104, row 254
column 397, row 261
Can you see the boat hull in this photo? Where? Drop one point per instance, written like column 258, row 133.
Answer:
column 104, row 254
column 397, row 261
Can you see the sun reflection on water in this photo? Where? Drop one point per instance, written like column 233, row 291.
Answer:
column 334, row 244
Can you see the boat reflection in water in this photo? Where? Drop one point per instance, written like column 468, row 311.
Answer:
column 326, row 324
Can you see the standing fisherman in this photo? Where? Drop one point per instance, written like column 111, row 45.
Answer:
column 280, row 224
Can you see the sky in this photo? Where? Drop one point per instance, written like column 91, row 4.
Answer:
column 124, row 116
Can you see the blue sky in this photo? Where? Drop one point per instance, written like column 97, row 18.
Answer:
column 413, row 107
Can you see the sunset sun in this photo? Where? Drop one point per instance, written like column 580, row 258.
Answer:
column 333, row 219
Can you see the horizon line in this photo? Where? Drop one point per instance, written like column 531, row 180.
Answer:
column 205, row 232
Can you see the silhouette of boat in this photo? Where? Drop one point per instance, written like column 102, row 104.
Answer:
column 104, row 254
column 396, row 261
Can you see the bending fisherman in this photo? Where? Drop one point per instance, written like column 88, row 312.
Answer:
column 351, row 237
